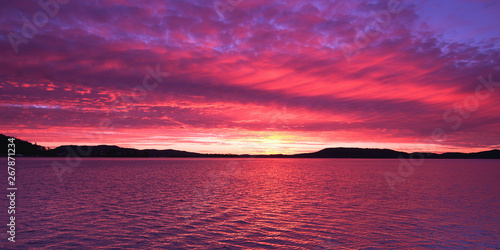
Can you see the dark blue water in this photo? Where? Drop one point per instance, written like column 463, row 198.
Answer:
column 256, row 203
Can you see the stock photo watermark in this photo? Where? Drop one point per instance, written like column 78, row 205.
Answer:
column 327, row 243
column 30, row 28
column 280, row 119
column 365, row 35
column 12, row 189
column 219, row 179
column 462, row 110
column 216, row 182
column 223, row 6
column 138, row 94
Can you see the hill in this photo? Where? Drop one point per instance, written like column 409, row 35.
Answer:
column 353, row 153
column 24, row 148
column 115, row 151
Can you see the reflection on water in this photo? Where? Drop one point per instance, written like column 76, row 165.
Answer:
column 257, row 203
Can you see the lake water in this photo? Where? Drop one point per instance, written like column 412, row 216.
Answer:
column 255, row 203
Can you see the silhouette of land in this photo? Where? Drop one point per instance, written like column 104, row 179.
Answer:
column 24, row 148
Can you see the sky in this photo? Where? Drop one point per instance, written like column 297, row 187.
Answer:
column 267, row 77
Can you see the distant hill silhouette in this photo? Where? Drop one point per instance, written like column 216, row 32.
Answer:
column 388, row 153
column 492, row 154
column 353, row 153
column 115, row 151
column 24, row 148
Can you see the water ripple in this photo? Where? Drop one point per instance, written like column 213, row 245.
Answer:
column 257, row 204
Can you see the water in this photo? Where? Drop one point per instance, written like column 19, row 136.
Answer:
column 256, row 203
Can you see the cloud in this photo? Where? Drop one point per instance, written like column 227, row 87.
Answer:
column 233, row 72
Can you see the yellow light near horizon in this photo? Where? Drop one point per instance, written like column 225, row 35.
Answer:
column 273, row 144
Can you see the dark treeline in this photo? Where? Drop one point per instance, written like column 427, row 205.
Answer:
column 24, row 148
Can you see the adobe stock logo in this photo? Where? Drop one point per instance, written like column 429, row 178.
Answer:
column 364, row 36
column 222, row 6
column 30, row 29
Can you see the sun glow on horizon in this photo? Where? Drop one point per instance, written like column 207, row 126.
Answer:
column 296, row 79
